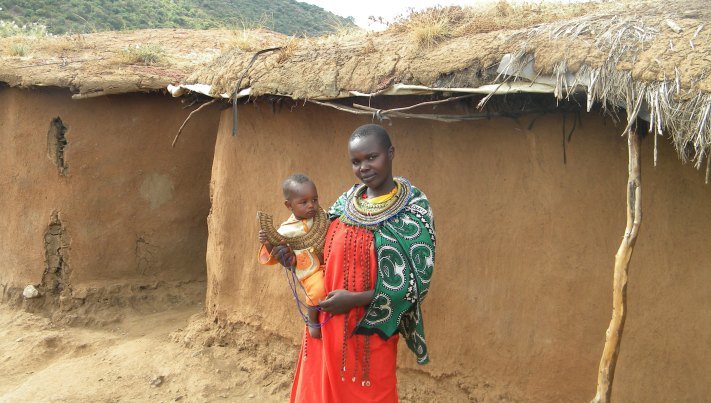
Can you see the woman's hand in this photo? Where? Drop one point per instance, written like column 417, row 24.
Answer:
column 342, row 301
column 284, row 254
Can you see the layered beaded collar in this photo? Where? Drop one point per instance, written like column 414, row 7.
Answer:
column 359, row 211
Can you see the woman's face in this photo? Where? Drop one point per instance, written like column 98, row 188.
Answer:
column 371, row 162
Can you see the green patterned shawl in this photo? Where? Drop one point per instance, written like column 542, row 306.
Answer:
column 405, row 250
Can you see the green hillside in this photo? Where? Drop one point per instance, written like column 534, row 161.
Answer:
column 286, row 16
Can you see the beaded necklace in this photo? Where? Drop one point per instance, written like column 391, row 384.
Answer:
column 357, row 255
column 314, row 238
column 363, row 213
column 365, row 379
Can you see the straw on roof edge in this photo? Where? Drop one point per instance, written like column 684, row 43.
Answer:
column 648, row 57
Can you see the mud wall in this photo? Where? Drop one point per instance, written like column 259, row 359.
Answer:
column 521, row 295
column 94, row 196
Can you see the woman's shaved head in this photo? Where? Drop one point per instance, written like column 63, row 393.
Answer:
column 375, row 131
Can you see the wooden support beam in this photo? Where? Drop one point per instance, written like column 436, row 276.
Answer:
column 613, row 336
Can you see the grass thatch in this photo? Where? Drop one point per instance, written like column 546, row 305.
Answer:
column 107, row 62
column 429, row 27
column 461, row 21
column 148, row 54
column 678, row 110
column 254, row 39
column 631, row 54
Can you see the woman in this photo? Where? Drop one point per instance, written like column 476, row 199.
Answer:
column 379, row 255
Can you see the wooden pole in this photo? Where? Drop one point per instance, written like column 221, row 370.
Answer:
column 198, row 109
column 613, row 336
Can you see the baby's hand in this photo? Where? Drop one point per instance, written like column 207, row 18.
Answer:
column 263, row 238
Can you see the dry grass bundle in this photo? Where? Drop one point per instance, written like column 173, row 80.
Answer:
column 252, row 36
column 252, row 40
column 65, row 43
column 19, row 49
column 433, row 25
column 339, row 34
column 507, row 16
column 17, row 46
column 148, row 54
column 245, row 40
column 288, row 48
column 339, row 29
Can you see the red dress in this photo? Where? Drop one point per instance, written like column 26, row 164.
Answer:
column 342, row 366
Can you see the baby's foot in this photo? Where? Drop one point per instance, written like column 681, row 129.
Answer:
column 315, row 332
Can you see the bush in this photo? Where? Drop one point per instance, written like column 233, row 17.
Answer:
column 19, row 49
column 10, row 28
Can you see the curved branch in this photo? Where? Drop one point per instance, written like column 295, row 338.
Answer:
column 613, row 336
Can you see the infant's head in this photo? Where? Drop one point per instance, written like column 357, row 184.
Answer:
column 300, row 196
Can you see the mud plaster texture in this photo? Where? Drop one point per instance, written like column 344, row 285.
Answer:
column 521, row 295
column 127, row 212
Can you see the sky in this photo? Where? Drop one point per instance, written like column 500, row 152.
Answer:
column 388, row 9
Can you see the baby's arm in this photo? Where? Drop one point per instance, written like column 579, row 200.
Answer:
column 263, row 240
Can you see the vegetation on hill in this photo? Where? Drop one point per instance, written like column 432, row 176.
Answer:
column 61, row 16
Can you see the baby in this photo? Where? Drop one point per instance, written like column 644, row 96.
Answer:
column 301, row 198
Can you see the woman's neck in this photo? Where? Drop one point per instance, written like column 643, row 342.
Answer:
column 383, row 189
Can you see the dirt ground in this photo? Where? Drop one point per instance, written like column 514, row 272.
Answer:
column 163, row 354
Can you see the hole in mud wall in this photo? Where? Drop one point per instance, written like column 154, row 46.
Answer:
column 56, row 142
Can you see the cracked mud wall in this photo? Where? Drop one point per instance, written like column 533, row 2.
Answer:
column 133, row 207
column 521, row 294
column 57, row 273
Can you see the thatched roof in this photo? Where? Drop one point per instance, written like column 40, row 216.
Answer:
column 112, row 62
column 652, row 58
column 634, row 36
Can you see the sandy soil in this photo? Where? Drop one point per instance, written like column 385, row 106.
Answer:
column 146, row 357
column 175, row 354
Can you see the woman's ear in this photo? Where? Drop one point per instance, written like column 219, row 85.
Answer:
column 391, row 152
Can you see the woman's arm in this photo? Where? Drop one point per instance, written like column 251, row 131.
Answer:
column 342, row 301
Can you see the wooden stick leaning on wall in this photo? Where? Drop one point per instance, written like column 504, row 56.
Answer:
column 613, row 336
column 198, row 109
